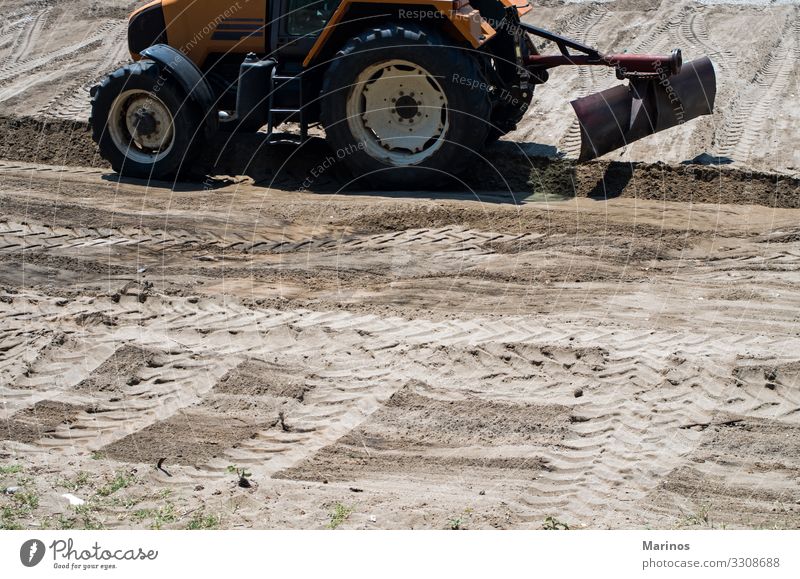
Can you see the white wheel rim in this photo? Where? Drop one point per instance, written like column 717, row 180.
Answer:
column 398, row 110
column 141, row 126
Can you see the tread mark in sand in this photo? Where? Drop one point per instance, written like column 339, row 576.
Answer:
column 619, row 418
column 72, row 51
column 72, row 102
column 18, row 237
column 31, row 29
column 585, row 28
column 741, row 133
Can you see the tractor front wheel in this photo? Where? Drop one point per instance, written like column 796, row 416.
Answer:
column 403, row 109
column 142, row 123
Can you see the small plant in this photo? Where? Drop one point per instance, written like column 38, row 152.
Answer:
column 457, row 523
column 553, row 524
column 339, row 515
column 10, row 469
column 120, row 481
column 200, row 521
column 140, row 515
column 164, row 515
column 83, row 517
column 699, row 518
column 22, row 504
column 65, row 524
column 126, row 502
column 80, row 481
column 28, row 501
column 8, row 519
column 242, row 474
column 87, row 514
column 158, row 517
column 97, row 455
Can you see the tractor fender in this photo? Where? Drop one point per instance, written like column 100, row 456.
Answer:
column 185, row 72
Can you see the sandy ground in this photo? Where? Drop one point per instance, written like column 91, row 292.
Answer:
column 612, row 345
column 419, row 361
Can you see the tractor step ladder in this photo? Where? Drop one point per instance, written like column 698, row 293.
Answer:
column 279, row 81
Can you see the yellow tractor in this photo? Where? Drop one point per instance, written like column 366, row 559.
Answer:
column 407, row 91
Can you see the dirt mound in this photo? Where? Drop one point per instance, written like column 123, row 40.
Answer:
column 505, row 171
column 415, row 433
column 42, row 420
column 742, row 475
column 119, row 372
column 553, row 179
column 192, row 438
column 51, row 141
column 259, row 378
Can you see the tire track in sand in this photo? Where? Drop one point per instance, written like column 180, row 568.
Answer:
column 29, row 65
column 632, row 424
column 586, row 28
column 741, row 133
column 30, row 32
column 26, row 237
column 694, row 32
column 73, row 102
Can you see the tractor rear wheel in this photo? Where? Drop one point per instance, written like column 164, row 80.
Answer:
column 403, row 109
column 142, row 123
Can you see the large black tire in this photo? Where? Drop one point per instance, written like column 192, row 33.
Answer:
column 467, row 109
column 510, row 108
column 119, row 148
column 505, row 118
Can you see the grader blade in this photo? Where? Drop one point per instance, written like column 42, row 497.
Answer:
column 623, row 114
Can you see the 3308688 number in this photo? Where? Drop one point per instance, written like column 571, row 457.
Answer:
column 756, row 562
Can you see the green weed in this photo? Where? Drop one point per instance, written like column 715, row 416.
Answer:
column 553, row 524
column 87, row 514
column 80, row 481
column 22, row 504
column 120, row 481
column 457, row 523
column 339, row 515
column 157, row 517
column 201, row 521
column 10, row 469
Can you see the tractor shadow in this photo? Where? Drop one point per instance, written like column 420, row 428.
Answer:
column 503, row 173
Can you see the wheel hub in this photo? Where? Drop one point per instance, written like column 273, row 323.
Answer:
column 406, row 108
column 141, row 125
column 399, row 108
column 144, row 122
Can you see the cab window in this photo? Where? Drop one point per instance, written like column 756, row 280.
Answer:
column 308, row 17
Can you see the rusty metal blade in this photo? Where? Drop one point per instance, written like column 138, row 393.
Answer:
column 623, row 114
